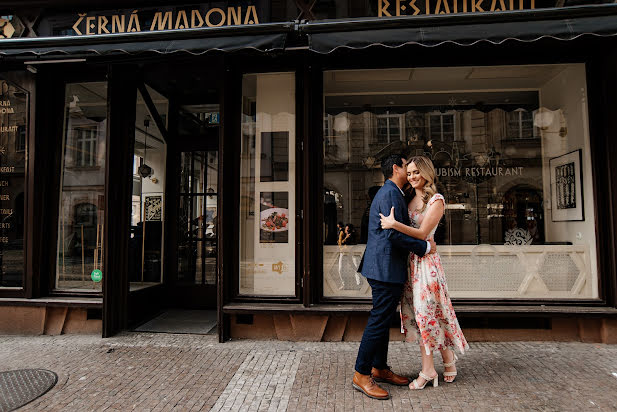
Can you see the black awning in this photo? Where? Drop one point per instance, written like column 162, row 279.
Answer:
column 263, row 37
column 463, row 29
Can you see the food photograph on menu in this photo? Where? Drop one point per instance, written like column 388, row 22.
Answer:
column 274, row 217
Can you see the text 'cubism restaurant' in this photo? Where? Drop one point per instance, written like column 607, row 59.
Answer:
column 158, row 155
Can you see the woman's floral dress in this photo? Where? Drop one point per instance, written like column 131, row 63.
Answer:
column 426, row 310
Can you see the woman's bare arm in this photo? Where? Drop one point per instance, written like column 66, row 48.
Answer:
column 431, row 219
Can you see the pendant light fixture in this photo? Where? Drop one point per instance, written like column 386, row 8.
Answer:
column 145, row 170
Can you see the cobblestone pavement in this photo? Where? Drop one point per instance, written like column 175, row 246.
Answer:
column 145, row 371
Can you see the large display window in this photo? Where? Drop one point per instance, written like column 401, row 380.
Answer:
column 511, row 150
column 14, row 107
column 267, row 185
column 82, row 189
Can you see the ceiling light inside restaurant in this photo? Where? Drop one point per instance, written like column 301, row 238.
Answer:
column 144, row 170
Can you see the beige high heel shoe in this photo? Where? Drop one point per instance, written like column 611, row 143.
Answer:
column 450, row 365
column 414, row 384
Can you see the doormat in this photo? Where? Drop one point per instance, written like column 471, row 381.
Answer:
column 200, row 322
column 19, row 387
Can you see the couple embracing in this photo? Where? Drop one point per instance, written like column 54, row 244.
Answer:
column 402, row 266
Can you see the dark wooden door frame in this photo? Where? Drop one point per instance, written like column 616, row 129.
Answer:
column 44, row 165
column 170, row 272
column 121, row 108
column 228, row 200
column 231, row 140
column 312, row 179
column 602, row 91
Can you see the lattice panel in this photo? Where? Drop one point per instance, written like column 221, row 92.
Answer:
column 482, row 273
column 344, row 272
column 559, row 272
column 340, row 272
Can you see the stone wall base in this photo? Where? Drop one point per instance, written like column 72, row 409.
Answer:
column 45, row 320
column 335, row 328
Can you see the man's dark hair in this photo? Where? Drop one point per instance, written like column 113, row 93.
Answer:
column 388, row 162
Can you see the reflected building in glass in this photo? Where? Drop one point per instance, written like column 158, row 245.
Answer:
column 491, row 151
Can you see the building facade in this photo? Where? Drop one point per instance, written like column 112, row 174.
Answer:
column 173, row 155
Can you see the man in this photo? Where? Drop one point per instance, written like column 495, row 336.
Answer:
column 384, row 264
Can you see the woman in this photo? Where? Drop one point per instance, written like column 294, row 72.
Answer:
column 347, row 237
column 350, row 235
column 426, row 309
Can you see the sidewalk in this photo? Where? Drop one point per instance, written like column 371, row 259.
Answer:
column 145, row 371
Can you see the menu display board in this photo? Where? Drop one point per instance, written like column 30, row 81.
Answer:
column 13, row 150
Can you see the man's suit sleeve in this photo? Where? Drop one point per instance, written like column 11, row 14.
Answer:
column 417, row 246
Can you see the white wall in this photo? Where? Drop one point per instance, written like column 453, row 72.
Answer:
column 156, row 159
column 568, row 91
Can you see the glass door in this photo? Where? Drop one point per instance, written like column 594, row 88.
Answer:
column 197, row 218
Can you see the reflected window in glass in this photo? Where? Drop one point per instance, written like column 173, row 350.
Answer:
column 82, row 189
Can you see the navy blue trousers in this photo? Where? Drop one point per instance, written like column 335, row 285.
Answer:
column 373, row 350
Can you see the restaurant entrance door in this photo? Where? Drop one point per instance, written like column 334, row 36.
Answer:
column 196, row 250
column 185, row 301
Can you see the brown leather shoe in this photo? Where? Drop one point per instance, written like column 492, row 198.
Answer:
column 366, row 384
column 386, row 375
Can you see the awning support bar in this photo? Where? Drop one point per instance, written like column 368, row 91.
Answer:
column 152, row 109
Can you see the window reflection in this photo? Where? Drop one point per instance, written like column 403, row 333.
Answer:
column 13, row 122
column 148, row 200
column 492, row 147
column 82, row 188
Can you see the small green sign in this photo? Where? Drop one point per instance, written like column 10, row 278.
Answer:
column 96, row 275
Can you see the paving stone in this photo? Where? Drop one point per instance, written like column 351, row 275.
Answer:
column 152, row 372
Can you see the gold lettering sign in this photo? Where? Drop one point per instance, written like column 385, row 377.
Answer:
column 479, row 171
column 389, row 8
column 279, row 267
column 168, row 20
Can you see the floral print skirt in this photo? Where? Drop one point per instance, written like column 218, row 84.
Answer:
column 426, row 309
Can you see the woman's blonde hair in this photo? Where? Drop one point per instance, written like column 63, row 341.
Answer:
column 427, row 171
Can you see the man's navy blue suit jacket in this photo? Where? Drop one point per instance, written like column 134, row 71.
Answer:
column 387, row 250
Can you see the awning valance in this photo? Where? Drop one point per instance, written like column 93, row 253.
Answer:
column 263, row 37
column 463, row 29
